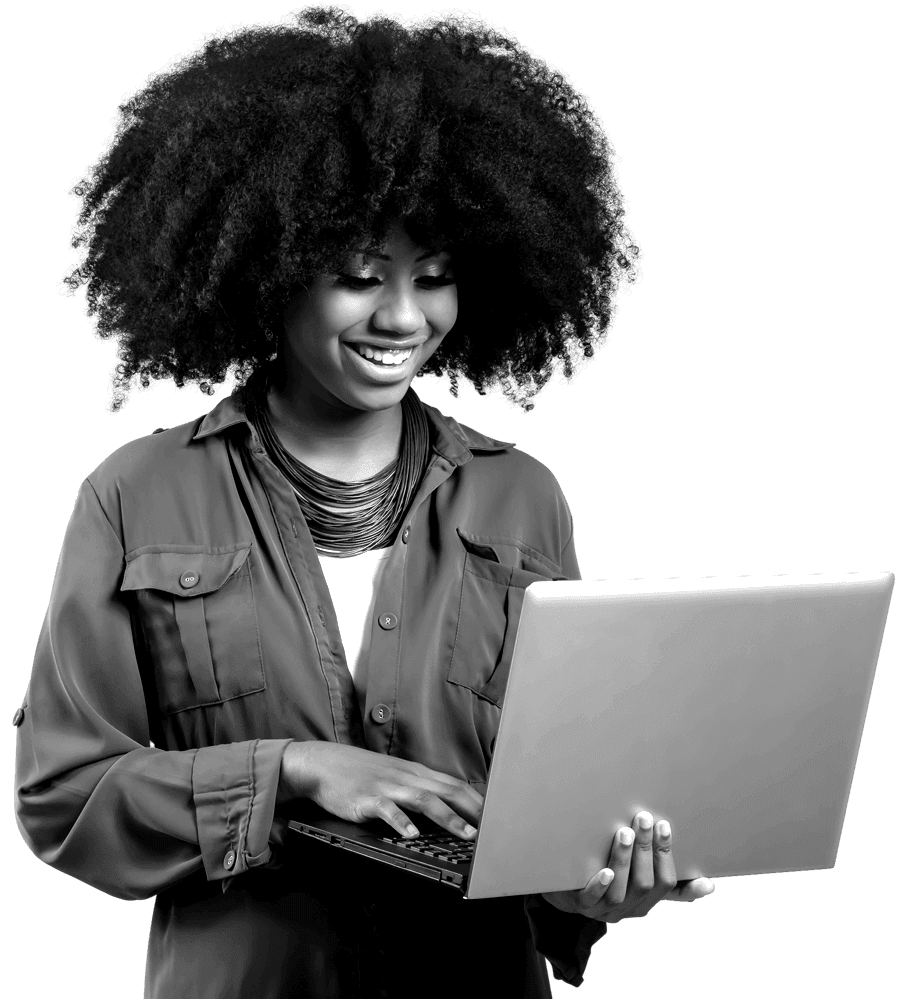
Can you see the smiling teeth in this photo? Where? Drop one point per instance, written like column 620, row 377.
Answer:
column 394, row 357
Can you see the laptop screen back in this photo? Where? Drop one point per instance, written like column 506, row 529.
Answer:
column 733, row 707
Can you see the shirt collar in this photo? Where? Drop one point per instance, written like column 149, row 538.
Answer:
column 451, row 440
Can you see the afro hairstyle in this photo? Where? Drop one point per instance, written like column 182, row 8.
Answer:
column 275, row 153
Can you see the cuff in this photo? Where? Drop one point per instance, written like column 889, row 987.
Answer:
column 234, row 788
column 565, row 939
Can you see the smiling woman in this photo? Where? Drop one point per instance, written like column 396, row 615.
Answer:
column 354, row 341
column 402, row 200
column 203, row 221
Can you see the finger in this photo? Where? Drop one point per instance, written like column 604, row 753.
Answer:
column 619, row 863
column 642, row 874
column 381, row 807
column 663, row 857
column 405, row 783
column 691, row 889
column 436, row 809
column 459, row 795
column 454, row 796
column 592, row 893
column 438, row 781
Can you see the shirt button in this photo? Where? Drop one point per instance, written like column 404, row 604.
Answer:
column 387, row 621
column 18, row 716
column 189, row 579
column 406, row 534
column 229, row 860
column 380, row 714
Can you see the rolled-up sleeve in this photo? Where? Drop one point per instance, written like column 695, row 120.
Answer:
column 93, row 797
column 565, row 939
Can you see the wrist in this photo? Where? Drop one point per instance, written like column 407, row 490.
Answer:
column 291, row 782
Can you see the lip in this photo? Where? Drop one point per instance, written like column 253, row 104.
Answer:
column 386, row 374
column 388, row 344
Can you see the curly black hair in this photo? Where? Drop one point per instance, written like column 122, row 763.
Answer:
column 274, row 153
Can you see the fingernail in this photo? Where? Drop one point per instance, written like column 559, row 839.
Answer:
column 626, row 836
column 664, row 828
column 469, row 830
column 645, row 821
column 605, row 877
column 411, row 831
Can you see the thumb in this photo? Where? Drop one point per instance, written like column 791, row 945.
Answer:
column 686, row 892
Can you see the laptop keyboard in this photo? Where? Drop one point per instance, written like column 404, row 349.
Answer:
column 447, row 846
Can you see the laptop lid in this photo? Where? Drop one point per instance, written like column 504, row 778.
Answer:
column 731, row 706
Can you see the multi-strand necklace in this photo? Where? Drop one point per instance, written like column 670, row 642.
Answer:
column 347, row 519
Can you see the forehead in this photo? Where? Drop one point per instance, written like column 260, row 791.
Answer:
column 409, row 242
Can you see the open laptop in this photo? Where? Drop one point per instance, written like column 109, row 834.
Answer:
column 733, row 707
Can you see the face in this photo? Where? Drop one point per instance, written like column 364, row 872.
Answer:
column 403, row 298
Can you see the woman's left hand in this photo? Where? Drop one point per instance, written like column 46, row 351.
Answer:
column 640, row 873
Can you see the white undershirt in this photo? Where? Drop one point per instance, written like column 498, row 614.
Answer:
column 353, row 584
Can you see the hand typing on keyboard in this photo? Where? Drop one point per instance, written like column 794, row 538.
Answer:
column 640, row 874
column 358, row 785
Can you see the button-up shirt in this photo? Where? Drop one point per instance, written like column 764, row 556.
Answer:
column 190, row 636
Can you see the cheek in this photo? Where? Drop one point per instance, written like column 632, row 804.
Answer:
column 338, row 312
column 444, row 313
column 316, row 327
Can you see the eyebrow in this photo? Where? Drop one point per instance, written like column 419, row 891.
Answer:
column 425, row 256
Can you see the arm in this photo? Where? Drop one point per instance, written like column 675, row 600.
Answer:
column 93, row 797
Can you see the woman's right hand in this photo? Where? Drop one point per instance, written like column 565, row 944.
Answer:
column 357, row 784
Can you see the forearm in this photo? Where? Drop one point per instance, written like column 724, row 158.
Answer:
column 138, row 822
column 93, row 797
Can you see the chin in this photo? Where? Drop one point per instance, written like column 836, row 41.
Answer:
column 373, row 397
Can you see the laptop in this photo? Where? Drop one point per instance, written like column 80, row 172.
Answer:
column 733, row 707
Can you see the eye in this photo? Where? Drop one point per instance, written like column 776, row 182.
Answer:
column 431, row 281
column 353, row 281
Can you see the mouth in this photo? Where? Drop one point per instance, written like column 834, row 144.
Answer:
column 386, row 357
column 381, row 365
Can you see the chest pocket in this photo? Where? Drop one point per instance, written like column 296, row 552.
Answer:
column 496, row 573
column 197, row 611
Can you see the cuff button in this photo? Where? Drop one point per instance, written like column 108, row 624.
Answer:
column 229, row 860
column 18, row 716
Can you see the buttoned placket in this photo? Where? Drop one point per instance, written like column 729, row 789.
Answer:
column 387, row 628
column 376, row 731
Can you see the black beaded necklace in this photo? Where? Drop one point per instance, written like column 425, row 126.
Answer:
column 347, row 519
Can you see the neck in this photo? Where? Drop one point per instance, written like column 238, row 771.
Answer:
column 344, row 444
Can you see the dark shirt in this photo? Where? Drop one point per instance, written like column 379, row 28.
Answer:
column 190, row 636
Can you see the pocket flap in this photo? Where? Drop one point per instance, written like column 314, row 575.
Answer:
column 183, row 570
column 508, row 560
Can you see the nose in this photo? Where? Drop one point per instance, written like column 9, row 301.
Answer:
column 398, row 311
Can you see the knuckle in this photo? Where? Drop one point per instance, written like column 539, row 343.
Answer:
column 374, row 805
column 666, row 884
column 645, row 884
column 385, row 807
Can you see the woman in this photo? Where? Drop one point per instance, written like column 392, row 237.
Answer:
column 268, row 606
